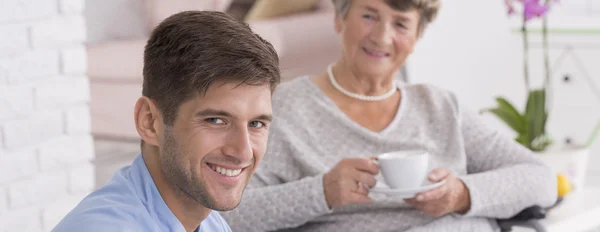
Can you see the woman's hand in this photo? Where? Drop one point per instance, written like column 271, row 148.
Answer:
column 451, row 197
column 348, row 182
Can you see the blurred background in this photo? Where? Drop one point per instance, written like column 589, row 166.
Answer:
column 70, row 73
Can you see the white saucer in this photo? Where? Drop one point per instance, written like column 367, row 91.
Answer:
column 405, row 193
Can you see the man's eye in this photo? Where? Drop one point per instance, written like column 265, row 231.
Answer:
column 215, row 120
column 257, row 124
column 366, row 16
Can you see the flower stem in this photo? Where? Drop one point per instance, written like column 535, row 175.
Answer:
column 546, row 56
column 593, row 135
column 525, row 53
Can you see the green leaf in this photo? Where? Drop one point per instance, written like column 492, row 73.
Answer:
column 518, row 123
column 535, row 114
column 509, row 115
column 536, row 117
column 540, row 143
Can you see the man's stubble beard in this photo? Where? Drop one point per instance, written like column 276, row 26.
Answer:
column 185, row 183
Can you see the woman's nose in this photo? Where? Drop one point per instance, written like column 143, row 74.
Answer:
column 382, row 34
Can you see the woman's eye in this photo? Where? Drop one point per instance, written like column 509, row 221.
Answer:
column 367, row 16
column 215, row 120
column 257, row 124
column 400, row 25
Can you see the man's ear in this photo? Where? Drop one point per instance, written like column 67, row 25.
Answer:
column 147, row 121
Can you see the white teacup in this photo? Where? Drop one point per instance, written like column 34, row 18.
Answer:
column 404, row 169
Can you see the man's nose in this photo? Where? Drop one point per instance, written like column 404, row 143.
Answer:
column 239, row 145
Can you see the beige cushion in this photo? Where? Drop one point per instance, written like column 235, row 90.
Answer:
column 158, row 10
column 265, row 9
column 119, row 59
column 124, row 59
column 112, row 108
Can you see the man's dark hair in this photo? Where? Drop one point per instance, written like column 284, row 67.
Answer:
column 190, row 50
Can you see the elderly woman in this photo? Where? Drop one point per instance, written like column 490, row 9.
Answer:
column 318, row 172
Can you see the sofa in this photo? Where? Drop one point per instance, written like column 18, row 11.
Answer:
column 305, row 42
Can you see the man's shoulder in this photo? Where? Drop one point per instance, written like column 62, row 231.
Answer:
column 110, row 214
column 114, row 207
column 98, row 225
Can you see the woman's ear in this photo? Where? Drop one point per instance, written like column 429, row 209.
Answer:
column 338, row 21
column 146, row 116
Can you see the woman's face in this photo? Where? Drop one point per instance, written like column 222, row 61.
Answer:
column 376, row 38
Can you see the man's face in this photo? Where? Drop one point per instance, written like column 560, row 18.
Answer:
column 216, row 142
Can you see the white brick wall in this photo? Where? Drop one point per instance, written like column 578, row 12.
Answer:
column 77, row 120
column 45, row 141
column 66, row 151
column 14, row 40
column 3, row 200
column 61, row 92
column 74, row 61
column 26, row 10
column 71, row 6
column 54, row 212
column 61, row 31
column 1, row 141
column 17, row 133
column 39, row 127
column 39, row 189
column 79, row 179
column 26, row 219
column 17, row 165
column 29, row 66
column 15, row 102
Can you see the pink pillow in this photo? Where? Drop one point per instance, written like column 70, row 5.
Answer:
column 325, row 5
column 222, row 5
column 158, row 10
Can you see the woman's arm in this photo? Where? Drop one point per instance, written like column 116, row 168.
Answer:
column 503, row 177
column 273, row 207
column 278, row 196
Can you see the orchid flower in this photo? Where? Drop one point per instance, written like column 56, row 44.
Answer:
column 534, row 117
column 531, row 8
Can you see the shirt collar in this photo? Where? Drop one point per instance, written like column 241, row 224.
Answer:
column 150, row 197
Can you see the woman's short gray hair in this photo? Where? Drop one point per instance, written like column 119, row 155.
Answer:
column 428, row 9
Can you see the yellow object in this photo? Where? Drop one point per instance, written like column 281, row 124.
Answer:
column 564, row 186
column 265, row 9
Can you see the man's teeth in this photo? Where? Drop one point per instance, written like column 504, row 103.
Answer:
column 227, row 172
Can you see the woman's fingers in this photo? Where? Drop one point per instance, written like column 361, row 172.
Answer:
column 359, row 198
column 367, row 179
column 438, row 175
column 438, row 201
column 362, row 189
column 434, row 194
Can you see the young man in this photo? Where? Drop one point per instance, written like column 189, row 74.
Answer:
column 203, row 120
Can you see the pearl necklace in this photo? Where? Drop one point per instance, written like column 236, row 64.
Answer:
column 360, row 96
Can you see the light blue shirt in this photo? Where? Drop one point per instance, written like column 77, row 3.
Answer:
column 128, row 202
